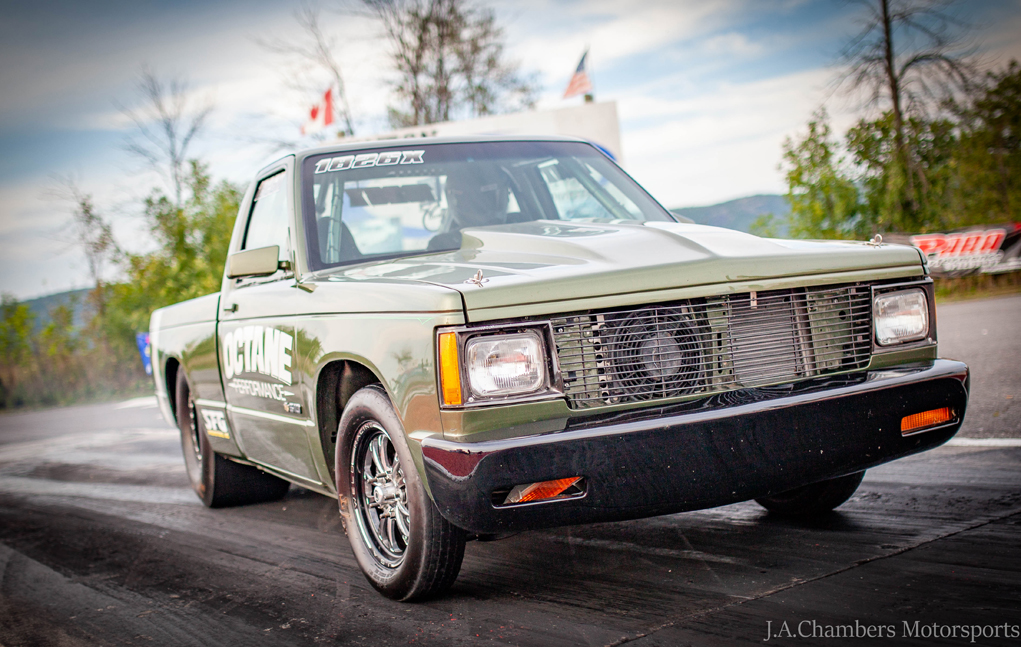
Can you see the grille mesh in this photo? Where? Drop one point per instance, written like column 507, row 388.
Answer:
column 712, row 345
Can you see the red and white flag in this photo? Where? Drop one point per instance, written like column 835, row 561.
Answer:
column 320, row 116
column 580, row 83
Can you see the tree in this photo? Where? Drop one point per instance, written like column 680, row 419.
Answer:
column 766, row 225
column 933, row 144
column 909, row 54
column 990, row 151
column 59, row 346
column 449, row 59
column 824, row 200
column 192, row 245
column 16, row 324
column 166, row 124
column 315, row 50
column 91, row 232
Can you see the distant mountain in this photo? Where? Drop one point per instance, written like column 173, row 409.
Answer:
column 41, row 306
column 738, row 214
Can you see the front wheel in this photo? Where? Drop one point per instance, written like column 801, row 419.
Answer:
column 406, row 549
column 813, row 499
column 217, row 481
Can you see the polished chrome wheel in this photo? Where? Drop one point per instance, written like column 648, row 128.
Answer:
column 380, row 495
column 193, row 419
column 402, row 543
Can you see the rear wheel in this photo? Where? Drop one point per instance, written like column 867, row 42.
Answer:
column 217, row 481
column 406, row 549
column 817, row 498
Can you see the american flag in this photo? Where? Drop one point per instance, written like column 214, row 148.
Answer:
column 580, row 83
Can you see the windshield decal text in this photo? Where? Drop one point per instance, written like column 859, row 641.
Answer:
column 365, row 160
column 258, row 349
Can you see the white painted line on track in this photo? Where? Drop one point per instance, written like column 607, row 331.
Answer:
column 144, row 402
column 984, row 442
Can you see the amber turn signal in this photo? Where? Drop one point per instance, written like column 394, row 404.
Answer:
column 917, row 422
column 541, row 491
column 450, row 370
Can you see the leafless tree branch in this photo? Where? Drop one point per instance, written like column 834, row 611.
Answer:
column 911, row 55
column 315, row 50
column 89, row 230
column 450, row 61
column 166, row 124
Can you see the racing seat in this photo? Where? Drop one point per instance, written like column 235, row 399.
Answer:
column 329, row 251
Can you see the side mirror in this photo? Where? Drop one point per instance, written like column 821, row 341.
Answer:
column 255, row 262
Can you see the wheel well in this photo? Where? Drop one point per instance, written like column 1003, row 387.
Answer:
column 170, row 375
column 337, row 383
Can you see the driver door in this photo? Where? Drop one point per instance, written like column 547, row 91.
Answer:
column 257, row 343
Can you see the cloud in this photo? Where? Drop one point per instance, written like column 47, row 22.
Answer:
column 37, row 256
column 731, row 44
column 614, row 30
column 707, row 91
column 720, row 144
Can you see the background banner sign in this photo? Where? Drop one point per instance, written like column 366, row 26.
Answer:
column 991, row 249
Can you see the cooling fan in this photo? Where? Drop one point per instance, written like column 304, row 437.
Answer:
column 656, row 353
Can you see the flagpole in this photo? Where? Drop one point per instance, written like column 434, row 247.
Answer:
column 590, row 96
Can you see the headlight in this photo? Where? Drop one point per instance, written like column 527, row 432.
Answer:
column 901, row 317
column 501, row 365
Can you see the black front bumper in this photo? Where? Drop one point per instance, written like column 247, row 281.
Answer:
column 727, row 448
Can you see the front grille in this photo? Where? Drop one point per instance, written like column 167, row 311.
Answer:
column 703, row 346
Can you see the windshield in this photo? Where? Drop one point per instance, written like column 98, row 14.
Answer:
column 392, row 202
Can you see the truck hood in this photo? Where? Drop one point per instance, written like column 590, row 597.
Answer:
column 550, row 262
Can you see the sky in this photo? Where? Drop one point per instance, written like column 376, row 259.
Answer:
column 706, row 92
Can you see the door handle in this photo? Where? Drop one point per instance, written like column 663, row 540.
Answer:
column 231, row 308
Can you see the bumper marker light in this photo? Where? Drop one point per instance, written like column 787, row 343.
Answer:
column 540, row 491
column 450, row 369
column 919, row 421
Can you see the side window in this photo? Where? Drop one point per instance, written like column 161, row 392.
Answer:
column 580, row 192
column 267, row 224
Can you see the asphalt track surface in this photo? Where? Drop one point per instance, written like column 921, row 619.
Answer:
column 103, row 543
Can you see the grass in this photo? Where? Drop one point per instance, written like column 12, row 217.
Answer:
column 978, row 286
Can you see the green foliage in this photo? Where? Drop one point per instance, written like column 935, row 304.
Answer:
column 15, row 332
column 952, row 171
column 767, row 225
column 824, row 200
column 59, row 341
column 16, row 324
column 893, row 201
column 189, row 262
column 64, row 363
column 990, row 150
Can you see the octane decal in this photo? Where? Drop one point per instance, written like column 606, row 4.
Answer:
column 365, row 160
column 258, row 349
column 216, row 423
column 260, row 389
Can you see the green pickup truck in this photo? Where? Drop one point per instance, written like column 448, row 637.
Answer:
column 463, row 338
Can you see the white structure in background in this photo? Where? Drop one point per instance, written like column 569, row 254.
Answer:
column 595, row 122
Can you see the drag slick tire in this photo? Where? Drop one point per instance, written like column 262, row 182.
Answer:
column 814, row 499
column 219, row 482
column 405, row 548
